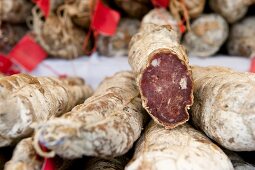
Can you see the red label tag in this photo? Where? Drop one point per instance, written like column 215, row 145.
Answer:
column 105, row 20
column 182, row 28
column 44, row 5
column 5, row 64
column 12, row 71
column 48, row 164
column 160, row 3
column 7, row 67
column 252, row 66
column 28, row 53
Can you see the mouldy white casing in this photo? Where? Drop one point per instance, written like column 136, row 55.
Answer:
column 180, row 148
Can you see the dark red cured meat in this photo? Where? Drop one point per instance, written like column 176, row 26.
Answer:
column 167, row 86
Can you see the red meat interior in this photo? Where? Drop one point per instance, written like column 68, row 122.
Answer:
column 167, row 85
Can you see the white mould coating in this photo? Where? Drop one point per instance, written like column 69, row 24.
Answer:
column 224, row 106
column 242, row 38
column 177, row 149
column 154, row 39
column 160, row 16
column 231, row 10
column 208, row 32
column 105, row 125
column 24, row 157
column 25, row 100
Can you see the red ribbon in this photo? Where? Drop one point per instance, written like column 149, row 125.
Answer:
column 27, row 53
column 7, row 67
column 49, row 163
column 252, row 65
column 91, row 36
column 5, row 64
column 44, row 5
column 160, row 3
column 104, row 20
column 182, row 26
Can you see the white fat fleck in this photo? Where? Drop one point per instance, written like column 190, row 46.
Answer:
column 158, row 89
column 155, row 62
column 168, row 102
column 183, row 83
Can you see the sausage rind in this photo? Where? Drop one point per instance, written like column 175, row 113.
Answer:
column 162, row 74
